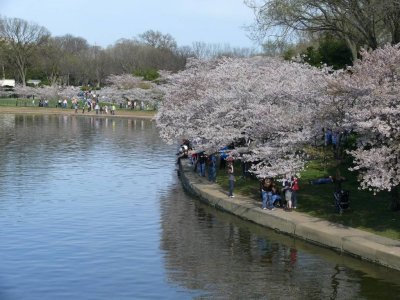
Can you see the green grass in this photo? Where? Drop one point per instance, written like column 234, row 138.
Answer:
column 20, row 102
column 367, row 211
column 14, row 102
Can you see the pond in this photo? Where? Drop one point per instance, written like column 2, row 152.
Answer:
column 91, row 208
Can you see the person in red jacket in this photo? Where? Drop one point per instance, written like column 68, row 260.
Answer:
column 295, row 187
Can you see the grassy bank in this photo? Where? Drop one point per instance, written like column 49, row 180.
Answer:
column 9, row 106
column 368, row 212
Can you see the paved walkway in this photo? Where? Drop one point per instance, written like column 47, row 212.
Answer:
column 345, row 239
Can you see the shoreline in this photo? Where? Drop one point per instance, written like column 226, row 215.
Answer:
column 342, row 239
column 67, row 111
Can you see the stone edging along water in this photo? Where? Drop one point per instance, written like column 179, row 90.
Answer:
column 361, row 244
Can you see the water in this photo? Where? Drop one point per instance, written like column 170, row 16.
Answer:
column 91, row 208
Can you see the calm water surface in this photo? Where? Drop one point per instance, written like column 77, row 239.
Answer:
column 91, row 208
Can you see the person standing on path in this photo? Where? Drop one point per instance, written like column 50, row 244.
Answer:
column 295, row 187
column 288, row 195
column 202, row 164
column 212, row 168
column 231, row 177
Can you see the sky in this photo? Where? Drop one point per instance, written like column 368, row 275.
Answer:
column 103, row 22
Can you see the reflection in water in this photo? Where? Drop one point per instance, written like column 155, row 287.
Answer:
column 222, row 256
column 91, row 208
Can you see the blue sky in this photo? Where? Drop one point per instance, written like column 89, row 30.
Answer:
column 103, row 22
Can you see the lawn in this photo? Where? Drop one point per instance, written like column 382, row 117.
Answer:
column 367, row 211
column 26, row 105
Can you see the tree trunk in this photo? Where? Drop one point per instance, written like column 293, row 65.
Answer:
column 22, row 73
column 23, row 78
column 20, row 62
column 353, row 48
column 396, row 34
column 395, row 199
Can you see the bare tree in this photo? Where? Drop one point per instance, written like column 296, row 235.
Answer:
column 48, row 59
column 158, row 40
column 129, row 56
column 72, row 44
column 73, row 52
column 204, row 50
column 124, row 56
column 69, row 60
column 22, row 40
column 391, row 20
column 361, row 23
column 99, row 65
column 3, row 59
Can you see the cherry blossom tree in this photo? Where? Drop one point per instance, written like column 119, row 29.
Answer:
column 281, row 107
column 127, row 87
column 371, row 89
column 268, row 101
column 45, row 92
column 68, row 92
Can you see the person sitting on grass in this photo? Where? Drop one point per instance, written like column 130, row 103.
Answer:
column 322, row 180
column 338, row 179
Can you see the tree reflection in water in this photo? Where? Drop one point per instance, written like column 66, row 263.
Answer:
column 221, row 256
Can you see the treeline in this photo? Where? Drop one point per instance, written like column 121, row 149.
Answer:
column 29, row 51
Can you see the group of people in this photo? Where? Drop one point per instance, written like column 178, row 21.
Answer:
column 87, row 104
column 62, row 103
column 272, row 197
column 201, row 160
column 335, row 138
column 96, row 107
column 44, row 103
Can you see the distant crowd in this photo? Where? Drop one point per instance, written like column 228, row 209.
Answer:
column 88, row 101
